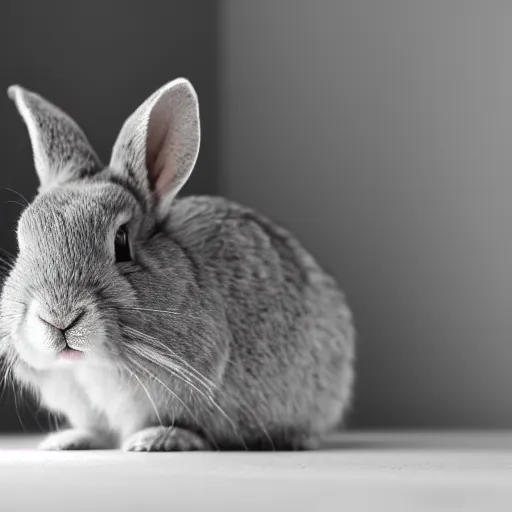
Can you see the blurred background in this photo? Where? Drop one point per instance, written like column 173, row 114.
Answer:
column 378, row 131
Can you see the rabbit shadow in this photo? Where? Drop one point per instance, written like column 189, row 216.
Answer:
column 367, row 445
column 426, row 441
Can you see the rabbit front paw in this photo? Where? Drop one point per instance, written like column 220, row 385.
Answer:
column 75, row 439
column 164, row 439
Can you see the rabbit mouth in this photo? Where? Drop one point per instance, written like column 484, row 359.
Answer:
column 70, row 354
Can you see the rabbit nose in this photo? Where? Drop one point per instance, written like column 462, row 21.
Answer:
column 62, row 324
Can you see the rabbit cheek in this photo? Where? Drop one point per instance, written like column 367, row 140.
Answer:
column 36, row 348
column 29, row 355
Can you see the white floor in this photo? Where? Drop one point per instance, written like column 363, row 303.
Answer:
column 354, row 471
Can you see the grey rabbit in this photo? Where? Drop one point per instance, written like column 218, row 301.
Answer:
column 153, row 323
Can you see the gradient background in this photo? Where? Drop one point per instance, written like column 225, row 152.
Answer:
column 378, row 131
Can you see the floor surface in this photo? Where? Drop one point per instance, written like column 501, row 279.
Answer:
column 352, row 472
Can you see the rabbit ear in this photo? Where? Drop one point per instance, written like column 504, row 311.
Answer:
column 159, row 143
column 61, row 150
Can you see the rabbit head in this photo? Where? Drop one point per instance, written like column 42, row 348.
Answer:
column 79, row 238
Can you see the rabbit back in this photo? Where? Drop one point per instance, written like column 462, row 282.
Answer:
column 292, row 340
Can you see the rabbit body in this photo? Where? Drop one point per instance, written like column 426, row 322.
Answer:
column 217, row 331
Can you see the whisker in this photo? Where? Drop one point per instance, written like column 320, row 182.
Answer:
column 210, row 385
column 35, row 416
column 133, row 374
column 177, row 370
column 16, row 202
column 53, row 420
column 18, row 194
column 209, row 399
column 6, row 377
column 179, row 314
column 172, row 369
column 141, row 367
column 23, row 427
column 189, row 411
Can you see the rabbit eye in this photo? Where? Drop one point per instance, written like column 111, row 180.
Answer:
column 122, row 245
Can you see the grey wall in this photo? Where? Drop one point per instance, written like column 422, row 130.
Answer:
column 98, row 60
column 381, row 133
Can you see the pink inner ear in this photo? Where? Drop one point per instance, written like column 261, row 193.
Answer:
column 159, row 149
